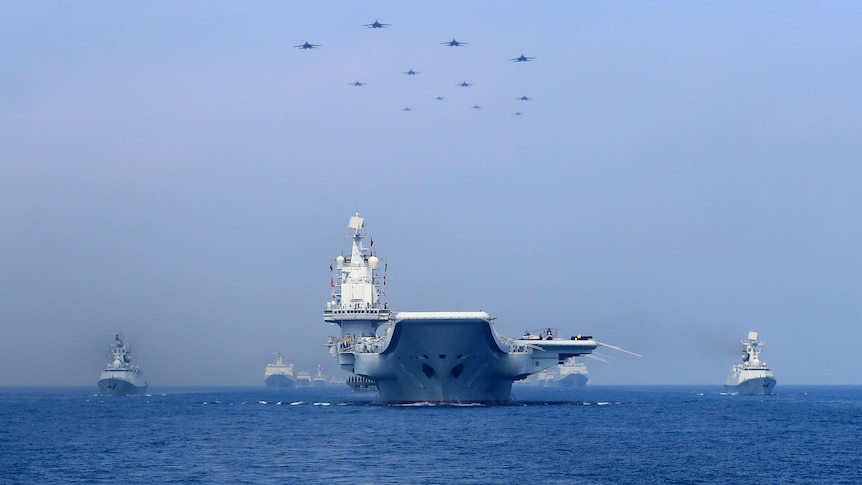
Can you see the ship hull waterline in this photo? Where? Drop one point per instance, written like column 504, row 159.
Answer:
column 278, row 381
column 573, row 380
column 753, row 387
column 113, row 386
column 445, row 361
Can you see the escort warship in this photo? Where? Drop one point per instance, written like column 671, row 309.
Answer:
column 120, row 377
column 752, row 376
column 434, row 357
column 319, row 379
column 278, row 374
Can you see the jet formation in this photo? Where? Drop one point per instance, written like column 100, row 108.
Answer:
column 452, row 43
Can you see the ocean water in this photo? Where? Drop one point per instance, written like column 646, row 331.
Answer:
column 596, row 434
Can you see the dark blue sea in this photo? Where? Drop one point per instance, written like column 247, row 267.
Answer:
column 596, row 434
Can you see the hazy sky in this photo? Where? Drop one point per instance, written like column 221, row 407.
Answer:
column 179, row 173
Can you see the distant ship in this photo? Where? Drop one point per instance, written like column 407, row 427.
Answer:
column 120, row 377
column 319, row 379
column 278, row 374
column 303, row 379
column 570, row 373
column 436, row 357
column 752, row 376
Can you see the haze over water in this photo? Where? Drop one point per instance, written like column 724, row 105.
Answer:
column 181, row 174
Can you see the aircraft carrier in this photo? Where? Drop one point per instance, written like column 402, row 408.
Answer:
column 434, row 357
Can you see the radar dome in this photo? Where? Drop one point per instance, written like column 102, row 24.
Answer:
column 339, row 260
column 373, row 262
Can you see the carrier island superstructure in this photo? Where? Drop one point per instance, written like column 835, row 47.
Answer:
column 436, row 357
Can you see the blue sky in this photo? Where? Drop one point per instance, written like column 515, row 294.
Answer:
column 178, row 172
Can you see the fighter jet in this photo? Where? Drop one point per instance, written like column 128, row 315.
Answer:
column 464, row 84
column 476, row 106
column 376, row 25
column 411, row 72
column 454, row 43
column 518, row 113
column 522, row 58
column 524, row 98
column 406, row 108
column 357, row 83
column 439, row 98
column 307, row 46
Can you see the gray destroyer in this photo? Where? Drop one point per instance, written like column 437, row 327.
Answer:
column 752, row 376
column 120, row 377
column 435, row 357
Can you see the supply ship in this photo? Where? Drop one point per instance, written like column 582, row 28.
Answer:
column 752, row 376
column 434, row 357
column 120, row 377
column 278, row 374
column 303, row 379
column 570, row 373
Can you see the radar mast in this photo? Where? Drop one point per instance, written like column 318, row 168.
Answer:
column 356, row 304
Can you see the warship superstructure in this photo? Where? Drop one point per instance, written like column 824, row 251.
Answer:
column 278, row 374
column 120, row 377
column 436, row 357
column 752, row 376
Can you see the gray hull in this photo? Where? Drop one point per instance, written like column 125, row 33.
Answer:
column 120, row 387
column 573, row 380
column 443, row 361
column 758, row 386
column 361, row 384
column 278, row 381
